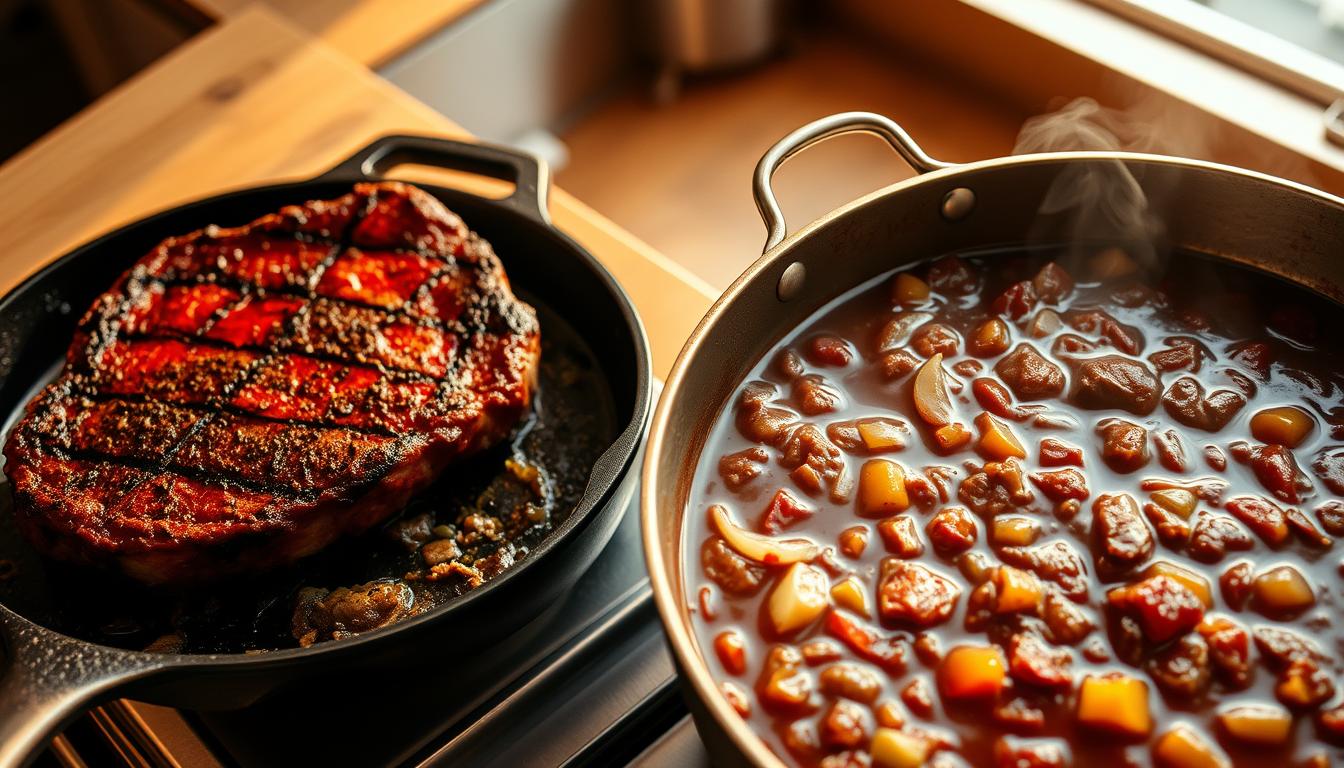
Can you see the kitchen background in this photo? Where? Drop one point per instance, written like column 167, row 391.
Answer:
column 617, row 96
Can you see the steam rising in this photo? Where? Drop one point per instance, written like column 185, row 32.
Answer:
column 1095, row 201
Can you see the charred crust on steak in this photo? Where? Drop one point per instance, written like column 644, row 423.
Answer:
column 242, row 397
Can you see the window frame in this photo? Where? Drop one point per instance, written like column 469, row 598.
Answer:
column 1265, row 55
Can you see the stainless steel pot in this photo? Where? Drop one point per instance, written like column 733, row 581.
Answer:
column 1277, row 226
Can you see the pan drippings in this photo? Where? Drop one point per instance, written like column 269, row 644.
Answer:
column 1034, row 509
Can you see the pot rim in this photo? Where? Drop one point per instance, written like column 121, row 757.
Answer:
column 671, row 611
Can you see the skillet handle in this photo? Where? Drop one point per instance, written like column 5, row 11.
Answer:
column 530, row 175
column 818, row 131
column 48, row 679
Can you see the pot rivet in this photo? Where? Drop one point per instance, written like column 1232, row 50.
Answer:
column 958, row 203
column 791, row 282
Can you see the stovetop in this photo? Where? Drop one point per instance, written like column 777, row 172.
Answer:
column 588, row 682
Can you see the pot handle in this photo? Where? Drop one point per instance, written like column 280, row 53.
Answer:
column 530, row 175
column 48, row 678
column 820, row 130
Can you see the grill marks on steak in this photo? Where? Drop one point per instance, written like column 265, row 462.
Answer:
column 244, row 396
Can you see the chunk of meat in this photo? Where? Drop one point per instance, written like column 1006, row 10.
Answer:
column 808, row 446
column 784, row 685
column 1029, row 375
column 884, row 651
column 1121, row 535
column 758, row 420
column 1213, row 536
column 1100, row 323
column 784, row 511
column 1057, row 562
column 829, row 350
column 1124, row 444
column 998, row 487
column 935, row 339
column 1163, row 606
column 735, row 574
column 1182, row 353
column 1170, row 452
column 1276, row 469
column 1265, row 518
column 1016, row 301
column 844, row 726
column 814, row 395
column 1331, row 515
column 994, row 397
column 1061, row 484
column 1057, row 453
column 1052, row 284
column 1229, row 649
column 1034, row 661
column 1255, row 356
column 952, row 531
column 951, row 276
column 1188, row 403
column 741, row 467
column 1182, row 669
column 1115, row 382
column 1014, row 752
column 911, row 593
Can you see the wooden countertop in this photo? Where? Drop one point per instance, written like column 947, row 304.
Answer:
column 372, row 32
column 252, row 100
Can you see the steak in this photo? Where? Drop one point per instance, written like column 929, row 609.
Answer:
column 243, row 397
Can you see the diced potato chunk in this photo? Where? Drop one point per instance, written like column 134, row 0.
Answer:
column 881, row 434
column 1196, row 583
column 997, row 439
column 991, row 338
column 1016, row 590
column 1013, row 531
column 1115, row 702
column 1287, row 426
column 1267, row 724
column 908, row 289
column 1184, row 747
column 731, row 649
column 1283, row 590
column 931, row 399
column 891, row 748
column 798, row 598
column 972, row 672
column 882, row 488
column 951, row 437
column 849, row 593
column 754, row 546
column 1177, row 501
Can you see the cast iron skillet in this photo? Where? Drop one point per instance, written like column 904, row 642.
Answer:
column 49, row 676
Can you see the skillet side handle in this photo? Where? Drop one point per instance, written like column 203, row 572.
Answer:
column 48, row 679
column 815, row 132
column 530, row 175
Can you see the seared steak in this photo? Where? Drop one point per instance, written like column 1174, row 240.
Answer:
column 243, row 397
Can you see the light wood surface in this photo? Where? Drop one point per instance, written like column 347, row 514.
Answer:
column 372, row 32
column 685, row 188
column 254, row 100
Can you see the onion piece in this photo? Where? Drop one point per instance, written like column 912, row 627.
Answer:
column 931, row 399
column 762, row 549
